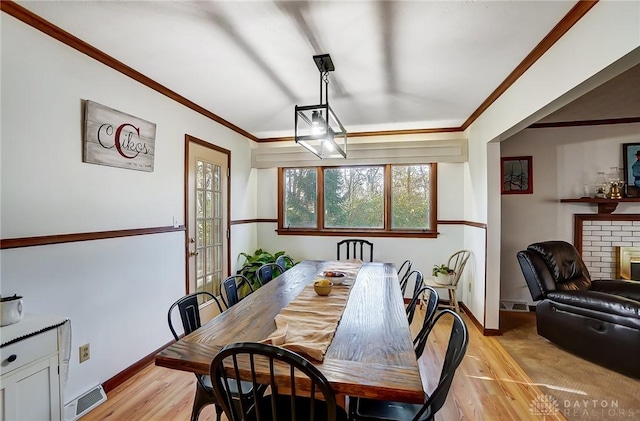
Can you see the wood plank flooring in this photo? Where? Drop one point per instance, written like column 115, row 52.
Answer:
column 488, row 385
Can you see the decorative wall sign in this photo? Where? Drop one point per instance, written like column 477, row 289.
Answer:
column 517, row 175
column 117, row 139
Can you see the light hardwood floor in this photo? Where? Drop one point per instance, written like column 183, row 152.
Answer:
column 488, row 385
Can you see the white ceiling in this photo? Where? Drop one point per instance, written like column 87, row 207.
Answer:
column 615, row 99
column 399, row 64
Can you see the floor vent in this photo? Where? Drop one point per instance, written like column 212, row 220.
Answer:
column 84, row 403
column 514, row 306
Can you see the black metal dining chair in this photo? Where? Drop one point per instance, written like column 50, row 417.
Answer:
column 285, row 262
column 268, row 271
column 356, row 248
column 404, row 270
column 308, row 395
column 362, row 409
column 415, row 298
column 417, row 284
column 235, row 288
column 420, row 340
column 189, row 310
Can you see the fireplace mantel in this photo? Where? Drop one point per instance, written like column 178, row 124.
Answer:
column 605, row 206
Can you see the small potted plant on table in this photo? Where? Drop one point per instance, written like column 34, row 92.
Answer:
column 443, row 274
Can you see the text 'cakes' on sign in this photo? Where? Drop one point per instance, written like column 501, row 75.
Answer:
column 117, row 139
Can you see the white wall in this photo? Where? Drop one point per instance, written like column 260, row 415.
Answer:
column 564, row 159
column 116, row 291
column 604, row 43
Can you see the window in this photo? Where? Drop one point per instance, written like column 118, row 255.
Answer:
column 354, row 197
column 375, row 200
column 209, row 235
column 300, row 197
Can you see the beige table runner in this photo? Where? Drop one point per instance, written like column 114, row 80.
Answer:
column 307, row 324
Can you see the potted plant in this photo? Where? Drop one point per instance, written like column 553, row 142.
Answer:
column 253, row 262
column 443, row 274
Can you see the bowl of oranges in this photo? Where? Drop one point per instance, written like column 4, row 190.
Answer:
column 323, row 286
column 334, row 276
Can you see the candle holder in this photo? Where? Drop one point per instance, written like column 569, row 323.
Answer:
column 600, row 186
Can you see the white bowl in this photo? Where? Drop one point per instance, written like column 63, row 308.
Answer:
column 335, row 276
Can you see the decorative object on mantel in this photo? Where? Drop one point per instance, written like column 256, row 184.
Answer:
column 116, row 139
column 601, row 186
column 317, row 128
column 615, row 183
column 631, row 165
column 517, row 175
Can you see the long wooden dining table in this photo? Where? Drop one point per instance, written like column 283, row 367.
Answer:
column 371, row 354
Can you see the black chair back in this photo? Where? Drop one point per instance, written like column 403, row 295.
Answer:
column 419, row 278
column 356, row 248
column 303, row 380
column 456, row 349
column 285, row 262
column 404, row 270
column 268, row 271
column 235, row 287
column 420, row 341
column 189, row 310
column 415, row 297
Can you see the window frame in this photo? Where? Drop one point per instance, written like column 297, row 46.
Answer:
column 386, row 231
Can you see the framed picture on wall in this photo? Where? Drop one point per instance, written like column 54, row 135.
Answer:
column 517, row 175
column 631, row 166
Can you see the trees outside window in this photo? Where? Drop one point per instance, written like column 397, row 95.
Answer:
column 375, row 200
column 300, row 198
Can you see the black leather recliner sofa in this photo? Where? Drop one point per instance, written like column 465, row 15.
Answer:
column 596, row 320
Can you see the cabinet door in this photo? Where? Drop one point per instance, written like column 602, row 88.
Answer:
column 31, row 393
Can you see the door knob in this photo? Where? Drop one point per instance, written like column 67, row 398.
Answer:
column 193, row 253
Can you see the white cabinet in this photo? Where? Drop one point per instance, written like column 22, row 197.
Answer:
column 30, row 380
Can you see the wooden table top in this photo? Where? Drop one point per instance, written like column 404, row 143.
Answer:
column 371, row 354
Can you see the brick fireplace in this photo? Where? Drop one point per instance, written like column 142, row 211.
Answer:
column 599, row 238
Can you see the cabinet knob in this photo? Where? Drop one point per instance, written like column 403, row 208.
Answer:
column 12, row 358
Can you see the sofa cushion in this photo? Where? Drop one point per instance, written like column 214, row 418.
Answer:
column 600, row 305
column 627, row 289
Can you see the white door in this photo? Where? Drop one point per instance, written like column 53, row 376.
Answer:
column 207, row 216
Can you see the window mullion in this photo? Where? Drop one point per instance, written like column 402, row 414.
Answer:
column 320, row 197
column 387, row 197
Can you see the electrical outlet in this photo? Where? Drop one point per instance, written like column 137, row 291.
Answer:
column 84, row 353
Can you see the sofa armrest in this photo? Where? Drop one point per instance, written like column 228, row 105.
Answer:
column 627, row 289
column 598, row 301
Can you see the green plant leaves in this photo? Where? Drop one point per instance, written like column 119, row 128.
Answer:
column 444, row 269
column 253, row 263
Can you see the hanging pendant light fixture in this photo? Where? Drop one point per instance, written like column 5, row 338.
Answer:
column 317, row 127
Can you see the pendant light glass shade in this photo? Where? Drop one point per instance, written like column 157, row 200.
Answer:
column 322, row 136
